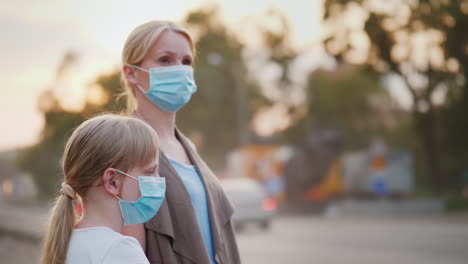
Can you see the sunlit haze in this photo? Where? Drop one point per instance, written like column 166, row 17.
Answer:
column 36, row 35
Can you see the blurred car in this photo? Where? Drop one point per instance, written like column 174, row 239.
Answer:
column 251, row 202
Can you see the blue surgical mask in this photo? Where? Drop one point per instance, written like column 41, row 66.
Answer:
column 170, row 87
column 152, row 190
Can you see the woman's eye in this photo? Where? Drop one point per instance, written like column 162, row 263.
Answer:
column 187, row 62
column 164, row 60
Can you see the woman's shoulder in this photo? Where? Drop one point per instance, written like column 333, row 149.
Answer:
column 186, row 139
column 191, row 143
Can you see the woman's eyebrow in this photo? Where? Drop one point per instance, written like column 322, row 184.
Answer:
column 172, row 53
column 165, row 52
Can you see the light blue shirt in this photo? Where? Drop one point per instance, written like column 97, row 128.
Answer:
column 194, row 185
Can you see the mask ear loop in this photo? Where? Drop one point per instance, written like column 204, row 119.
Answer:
column 125, row 175
column 141, row 69
column 138, row 67
column 141, row 89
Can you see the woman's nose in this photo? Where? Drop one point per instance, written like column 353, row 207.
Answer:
column 178, row 62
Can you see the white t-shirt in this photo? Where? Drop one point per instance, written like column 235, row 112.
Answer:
column 103, row 245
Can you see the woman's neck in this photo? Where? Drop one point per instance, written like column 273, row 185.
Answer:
column 162, row 122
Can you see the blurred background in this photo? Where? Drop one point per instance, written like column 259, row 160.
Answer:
column 336, row 127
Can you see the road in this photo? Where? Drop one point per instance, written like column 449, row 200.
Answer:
column 313, row 239
column 412, row 240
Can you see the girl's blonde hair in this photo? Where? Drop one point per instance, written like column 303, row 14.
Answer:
column 102, row 142
column 137, row 45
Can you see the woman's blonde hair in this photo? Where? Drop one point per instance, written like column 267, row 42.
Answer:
column 137, row 45
column 102, row 142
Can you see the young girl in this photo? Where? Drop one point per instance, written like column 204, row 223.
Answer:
column 102, row 165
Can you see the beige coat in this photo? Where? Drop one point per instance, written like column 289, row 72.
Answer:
column 173, row 236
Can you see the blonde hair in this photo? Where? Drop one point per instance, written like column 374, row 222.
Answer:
column 137, row 45
column 99, row 143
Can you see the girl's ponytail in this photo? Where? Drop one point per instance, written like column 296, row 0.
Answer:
column 61, row 223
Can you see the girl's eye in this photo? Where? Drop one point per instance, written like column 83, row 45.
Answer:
column 187, row 62
column 151, row 173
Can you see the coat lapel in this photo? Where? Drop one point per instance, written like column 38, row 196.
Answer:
column 176, row 217
column 220, row 209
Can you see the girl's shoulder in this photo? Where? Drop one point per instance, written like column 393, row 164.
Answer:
column 125, row 249
column 104, row 245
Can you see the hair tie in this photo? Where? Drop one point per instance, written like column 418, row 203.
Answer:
column 68, row 191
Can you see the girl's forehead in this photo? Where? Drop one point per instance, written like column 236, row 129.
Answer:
column 150, row 165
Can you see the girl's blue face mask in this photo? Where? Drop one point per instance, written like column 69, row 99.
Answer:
column 170, row 87
column 153, row 190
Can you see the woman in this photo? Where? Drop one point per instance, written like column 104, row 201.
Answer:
column 194, row 224
column 101, row 164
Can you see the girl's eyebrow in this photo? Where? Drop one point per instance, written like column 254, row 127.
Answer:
column 153, row 167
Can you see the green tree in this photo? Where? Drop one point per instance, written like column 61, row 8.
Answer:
column 453, row 129
column 43, row 160
column 422, row 42
column 281, row 52
column 352, row 101
column 221, row 110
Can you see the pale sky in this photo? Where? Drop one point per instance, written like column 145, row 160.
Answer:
column 36, row 34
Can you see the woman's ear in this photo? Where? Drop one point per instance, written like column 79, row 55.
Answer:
column 112, row 181
column 130, row 74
